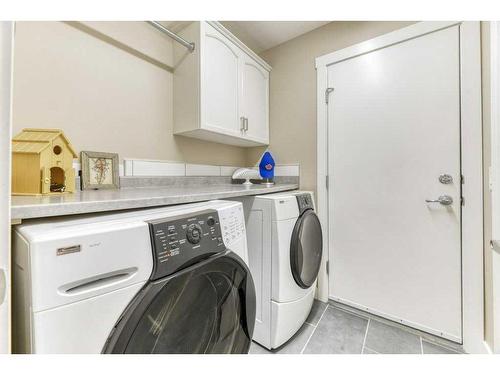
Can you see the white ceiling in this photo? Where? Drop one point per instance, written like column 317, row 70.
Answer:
column 262, row 35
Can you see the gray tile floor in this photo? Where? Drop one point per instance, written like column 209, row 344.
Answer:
column 332, row 328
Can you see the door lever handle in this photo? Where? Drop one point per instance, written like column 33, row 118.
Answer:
column 445, row 200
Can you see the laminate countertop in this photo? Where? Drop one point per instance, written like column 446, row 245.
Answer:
column 82, row 202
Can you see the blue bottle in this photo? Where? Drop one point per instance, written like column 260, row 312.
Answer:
column 266, row 168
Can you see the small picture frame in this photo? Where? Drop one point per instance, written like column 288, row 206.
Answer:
column 99, row 170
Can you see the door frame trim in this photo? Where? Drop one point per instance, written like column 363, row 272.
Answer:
column 7, row 29
column 495, row 179
column 471, row 159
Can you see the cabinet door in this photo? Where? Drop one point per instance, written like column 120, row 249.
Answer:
column 220, row 63
column 255, row 101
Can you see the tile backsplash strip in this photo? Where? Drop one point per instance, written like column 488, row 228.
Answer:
column 140, row 173
column 151, row 168
column 172, row 181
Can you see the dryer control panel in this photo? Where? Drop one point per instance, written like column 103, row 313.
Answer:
column 181, row 241
column 305, row 202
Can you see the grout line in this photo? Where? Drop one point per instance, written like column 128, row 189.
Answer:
column 421, row 345
column 314, row 330
column 366, row 334
column 366, row 347
column 314, row 325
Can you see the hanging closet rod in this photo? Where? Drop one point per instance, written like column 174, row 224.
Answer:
column 177, row 38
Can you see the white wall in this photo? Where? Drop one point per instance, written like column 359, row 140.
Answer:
column 293, row 91
column 109, row 86
column 5, row 131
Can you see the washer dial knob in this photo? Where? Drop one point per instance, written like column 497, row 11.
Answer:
column 193, row 234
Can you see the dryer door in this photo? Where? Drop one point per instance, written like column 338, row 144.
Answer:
column 306, row 248
column 206, row 308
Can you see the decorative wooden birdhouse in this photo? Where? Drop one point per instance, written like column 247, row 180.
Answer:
column 42, row 163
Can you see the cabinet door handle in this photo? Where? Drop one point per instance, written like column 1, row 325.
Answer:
column 246, row 124
column 242, row 127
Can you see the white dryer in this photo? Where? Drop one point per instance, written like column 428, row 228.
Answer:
column 285, row 249
column 165, row 280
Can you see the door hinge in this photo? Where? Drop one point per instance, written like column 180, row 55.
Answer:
column 462, row 179
column 462, row 201
column 327, row 93
column 326, row 178
column 328, row 267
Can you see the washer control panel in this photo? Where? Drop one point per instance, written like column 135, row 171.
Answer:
column 232, row 224
column 180, row 241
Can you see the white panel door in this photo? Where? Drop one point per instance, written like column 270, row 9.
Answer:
column 6, row 32
column 220, row 83
column 394, row 128
column 255, row 89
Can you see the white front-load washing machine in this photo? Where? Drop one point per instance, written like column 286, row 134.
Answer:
column 285, row 248
column 165, row 280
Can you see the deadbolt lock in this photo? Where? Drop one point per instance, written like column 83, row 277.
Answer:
column 445, row 179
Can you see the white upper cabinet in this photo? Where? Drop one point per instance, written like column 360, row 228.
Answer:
column 255, row 100
column 220, row 86
column 221, row 90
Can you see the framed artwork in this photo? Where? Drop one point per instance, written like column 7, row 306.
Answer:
column 99, row 170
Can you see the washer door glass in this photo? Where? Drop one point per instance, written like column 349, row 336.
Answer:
column 207, row 308
column 306, row 248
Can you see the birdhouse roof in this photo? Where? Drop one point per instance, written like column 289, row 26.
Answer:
column 34, row 141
